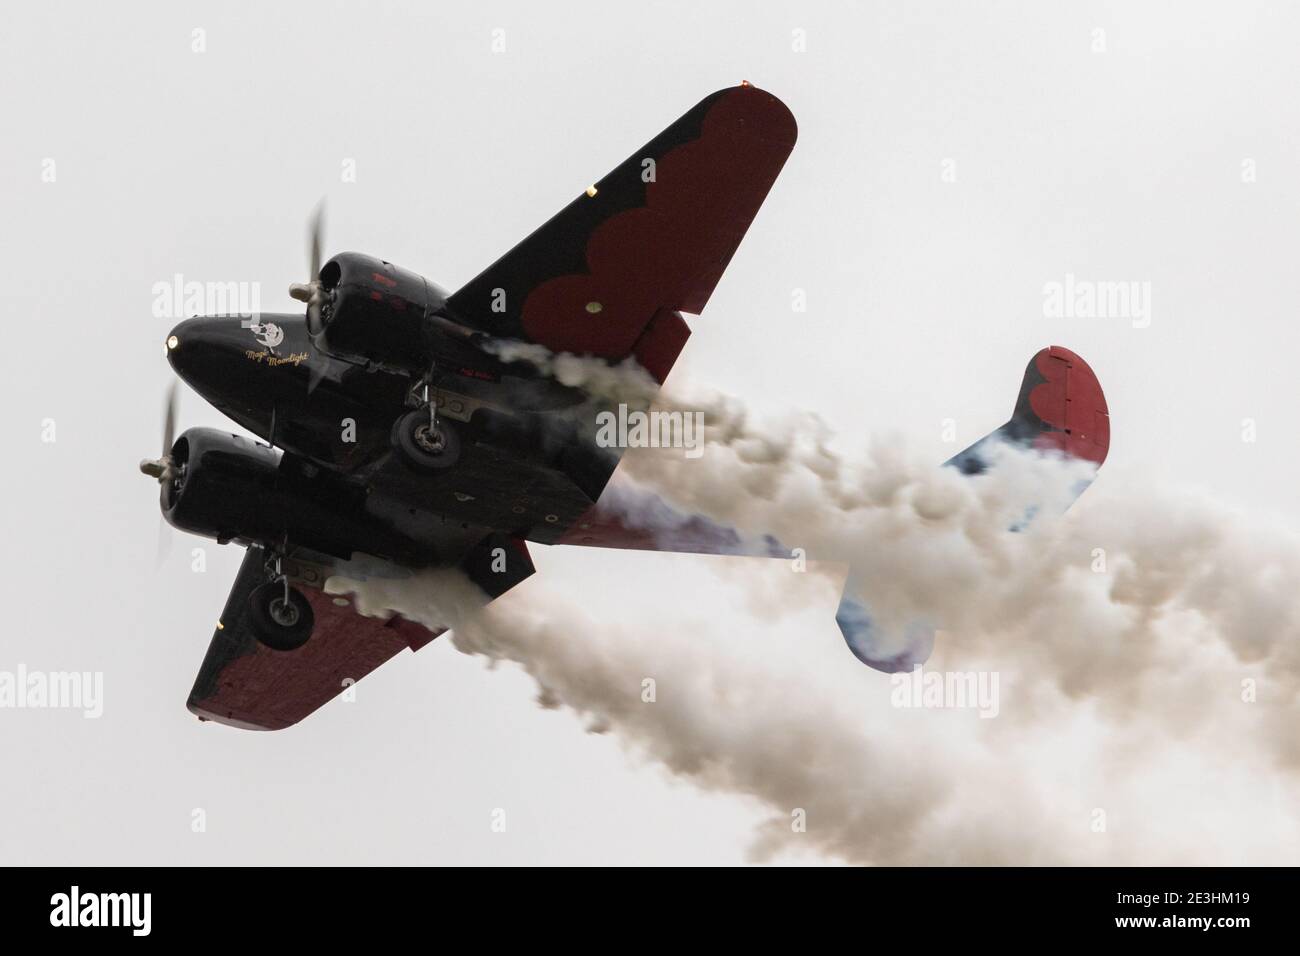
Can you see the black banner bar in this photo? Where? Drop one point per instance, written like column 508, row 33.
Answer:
column 336, row 905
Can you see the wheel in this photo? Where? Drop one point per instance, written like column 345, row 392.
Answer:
column 424, row 448
column 279, row 624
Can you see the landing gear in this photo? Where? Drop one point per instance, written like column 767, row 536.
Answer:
column 424, row 441
column 280, row 615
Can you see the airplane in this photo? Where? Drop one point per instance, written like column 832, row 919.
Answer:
column 400, row 430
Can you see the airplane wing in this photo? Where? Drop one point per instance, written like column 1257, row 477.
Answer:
column 243, row 683
column 610, row 273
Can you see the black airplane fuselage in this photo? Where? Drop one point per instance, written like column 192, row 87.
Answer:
column 332, row 401
column 399, row 428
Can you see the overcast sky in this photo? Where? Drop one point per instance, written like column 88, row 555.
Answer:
column 952, row 160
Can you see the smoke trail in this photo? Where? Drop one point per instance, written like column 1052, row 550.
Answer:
column 927, row 542
column 1140, row 592
column 865, row 795
column 799, row 725
column 1146, row 647
column 625, row 382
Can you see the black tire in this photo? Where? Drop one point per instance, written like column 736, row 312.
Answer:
column 416, row 446
column 280, row 627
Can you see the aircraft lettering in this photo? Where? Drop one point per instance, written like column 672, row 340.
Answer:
column 265, row 355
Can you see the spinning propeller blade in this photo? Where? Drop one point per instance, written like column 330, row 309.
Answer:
column 161, row 468
column 310, row 291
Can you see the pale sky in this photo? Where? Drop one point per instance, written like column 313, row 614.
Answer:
column 1161, row 150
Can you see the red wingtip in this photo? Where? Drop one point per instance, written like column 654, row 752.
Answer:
column 1070, row 399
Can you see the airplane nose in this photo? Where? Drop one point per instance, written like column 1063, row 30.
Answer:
column 204, row 351
column 202, row 344
column 229, row 360
column 175, row 338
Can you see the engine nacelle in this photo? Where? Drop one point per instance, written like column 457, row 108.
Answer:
column 379, row 314
column 233, row 489
column 221, row 485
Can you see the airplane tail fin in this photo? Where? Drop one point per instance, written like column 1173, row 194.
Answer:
column 1060, row 408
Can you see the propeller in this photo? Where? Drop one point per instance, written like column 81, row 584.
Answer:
column 311, row 291
column 162, row 468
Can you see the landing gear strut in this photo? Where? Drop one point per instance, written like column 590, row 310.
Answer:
column 280, row 615
column 424, row 441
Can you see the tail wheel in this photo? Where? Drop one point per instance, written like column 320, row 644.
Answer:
column 282, row 624
column 426, row 445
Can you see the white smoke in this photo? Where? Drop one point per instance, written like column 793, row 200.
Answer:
column 625, row 382
column 1146, row 645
